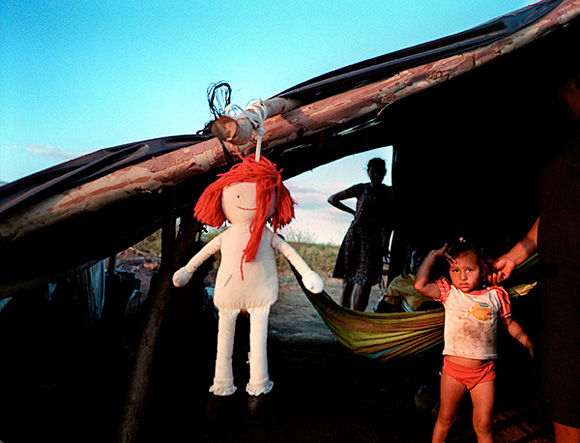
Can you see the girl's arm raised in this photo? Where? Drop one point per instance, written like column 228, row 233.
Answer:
column 422, row 282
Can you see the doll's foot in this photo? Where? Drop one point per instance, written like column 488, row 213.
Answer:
column 257, row 404
column 219, row 406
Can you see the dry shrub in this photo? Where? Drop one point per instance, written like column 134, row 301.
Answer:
column 320, row 258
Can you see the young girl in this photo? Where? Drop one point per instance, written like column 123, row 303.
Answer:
column 471, row 315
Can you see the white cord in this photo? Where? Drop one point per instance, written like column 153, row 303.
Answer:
column 256, row 113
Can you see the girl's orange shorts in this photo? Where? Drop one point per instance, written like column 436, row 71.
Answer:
column 469, row 377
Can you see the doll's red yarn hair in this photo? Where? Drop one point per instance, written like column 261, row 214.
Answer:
column 268, row 179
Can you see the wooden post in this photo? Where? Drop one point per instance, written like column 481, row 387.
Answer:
column 158, row 298
column 170, row 169
column 239, row 130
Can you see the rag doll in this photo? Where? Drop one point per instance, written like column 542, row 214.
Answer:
column 247, row 196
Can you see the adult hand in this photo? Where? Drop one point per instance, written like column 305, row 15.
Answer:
column 501, row 269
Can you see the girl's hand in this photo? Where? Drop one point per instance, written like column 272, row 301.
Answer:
column 531, row 349
column 529, row 345
column 441, row 253
column 422, row 283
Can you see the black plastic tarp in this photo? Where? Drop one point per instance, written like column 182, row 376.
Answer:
column 481, row 124
column 91, row 166
column 78, row 171
column 387, row 65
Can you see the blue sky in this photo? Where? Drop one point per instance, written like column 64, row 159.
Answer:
column 77, row 76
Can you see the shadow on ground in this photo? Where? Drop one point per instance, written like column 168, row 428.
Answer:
column 61, row 383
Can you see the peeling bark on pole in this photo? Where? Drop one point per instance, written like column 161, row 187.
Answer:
column 143, row 360
column 174, row 252
column 149, row 176
column 231, row 130
column 170, row 169
column 239, row 130
column 162, row 287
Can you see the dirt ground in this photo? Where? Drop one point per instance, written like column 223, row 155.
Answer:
column 323, row 393
column 64, row 382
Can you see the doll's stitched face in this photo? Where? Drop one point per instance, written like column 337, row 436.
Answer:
column 239, row 202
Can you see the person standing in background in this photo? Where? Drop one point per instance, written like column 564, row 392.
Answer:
column 360, row 258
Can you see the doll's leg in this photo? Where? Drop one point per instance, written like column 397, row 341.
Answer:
column 223, row 382
column 259, row 379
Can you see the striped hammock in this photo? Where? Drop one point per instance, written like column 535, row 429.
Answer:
column 393, row 335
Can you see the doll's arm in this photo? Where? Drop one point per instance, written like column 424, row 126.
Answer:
column 183, row 275
column 311, row 279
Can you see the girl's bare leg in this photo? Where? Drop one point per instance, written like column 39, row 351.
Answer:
column 451, row 394
column 483, row 396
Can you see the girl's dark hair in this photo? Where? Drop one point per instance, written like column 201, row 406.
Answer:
column 378, row 163
column 463, row 247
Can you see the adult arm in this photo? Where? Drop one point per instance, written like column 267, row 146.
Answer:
column 504, row 265
column 336, row 199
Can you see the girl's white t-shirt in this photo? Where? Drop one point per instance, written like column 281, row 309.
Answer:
column 471, row 320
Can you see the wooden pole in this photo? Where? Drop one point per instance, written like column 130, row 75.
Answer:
column 158, row 298
column 239, row 130
column 174, row 251
column 172, row 168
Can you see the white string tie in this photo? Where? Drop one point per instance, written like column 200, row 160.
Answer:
column 256, row 113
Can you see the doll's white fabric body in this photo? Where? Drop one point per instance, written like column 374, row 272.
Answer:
column 253, row 292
